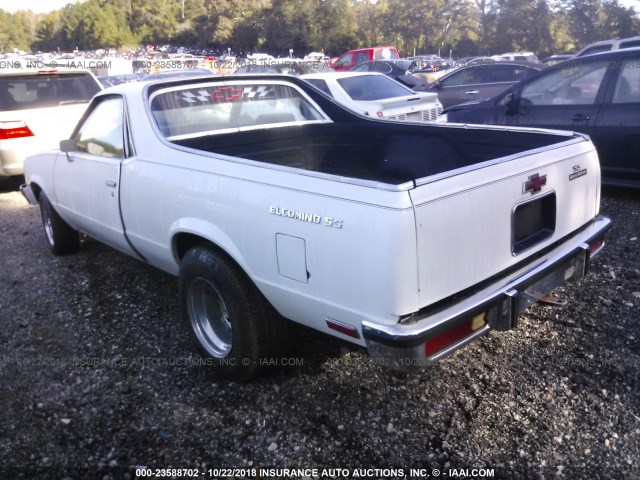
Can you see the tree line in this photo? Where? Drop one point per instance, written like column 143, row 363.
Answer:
column 465, row 27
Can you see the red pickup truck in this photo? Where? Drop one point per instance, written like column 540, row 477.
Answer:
column 350, row 59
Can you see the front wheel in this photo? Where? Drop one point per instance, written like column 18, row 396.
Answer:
column 230, row 320
column 62, row 239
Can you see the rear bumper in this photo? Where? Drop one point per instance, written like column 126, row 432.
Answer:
column 11, row 163
column 424, row 339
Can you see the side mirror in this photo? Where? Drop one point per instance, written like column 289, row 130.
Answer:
column 68, row 145
column 511, row 103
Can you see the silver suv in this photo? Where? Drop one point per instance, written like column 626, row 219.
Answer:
column 607, row 45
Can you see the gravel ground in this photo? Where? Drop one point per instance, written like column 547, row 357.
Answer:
column 99, row 376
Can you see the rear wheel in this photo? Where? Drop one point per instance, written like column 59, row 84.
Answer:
column 230, row 320
column 62, row 239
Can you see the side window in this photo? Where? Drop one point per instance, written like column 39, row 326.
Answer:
column 569, row 85
column 630, row 44
column 628, row 84
column 345, row 60
column 597, row 49
column 520, row 73
column 381, row 67
column 506, row 73
column 465, row 77
column 102, row 132
column 361, row 57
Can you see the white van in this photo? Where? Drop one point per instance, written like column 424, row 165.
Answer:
column 520, row 57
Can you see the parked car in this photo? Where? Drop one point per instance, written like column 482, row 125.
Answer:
column 285, row 66
column 555, row 59
column 106, row 81
column 37, row 110
column 468, row 61
column 479, row 82
column 529, row 57
column 430, row 63
column 430, row 67
column 352, row 58
column 400, row 69
column 596, row 94
column 111, row 80
column 269, row 200
column 608, row 45
column 377, row 95
column 185, row 72
column 317, row 57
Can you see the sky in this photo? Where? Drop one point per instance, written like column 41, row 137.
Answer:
column 43, row 6
column 37, row 6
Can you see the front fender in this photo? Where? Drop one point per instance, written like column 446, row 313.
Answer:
column 38, row 174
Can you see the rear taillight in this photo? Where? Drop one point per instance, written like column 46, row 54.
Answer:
column 596, row 245
column 15, row 129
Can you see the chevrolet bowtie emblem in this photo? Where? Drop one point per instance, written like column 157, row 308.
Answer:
column 534, row 184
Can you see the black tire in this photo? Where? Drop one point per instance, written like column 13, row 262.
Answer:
column 62, row 239
column 227, row 316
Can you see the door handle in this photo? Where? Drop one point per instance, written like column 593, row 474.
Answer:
column 110, row 183
column 579, row 117
column 472, row 92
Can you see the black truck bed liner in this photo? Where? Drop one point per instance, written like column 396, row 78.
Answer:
column 380, row 151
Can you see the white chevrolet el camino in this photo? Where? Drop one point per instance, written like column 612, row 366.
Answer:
column 270, row 201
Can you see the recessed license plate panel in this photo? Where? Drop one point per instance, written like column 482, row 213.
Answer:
column 533, row 222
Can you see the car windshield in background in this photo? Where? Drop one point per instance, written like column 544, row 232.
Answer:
column 373, row 87
column 206, row 109
column 386, row 66
column 25, row 92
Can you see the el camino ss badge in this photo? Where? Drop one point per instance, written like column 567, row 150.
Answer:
column 534, row 184
column 577, row 172
column 305, row 217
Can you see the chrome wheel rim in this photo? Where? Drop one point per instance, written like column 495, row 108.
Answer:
column 209, row 317
column 48, row 229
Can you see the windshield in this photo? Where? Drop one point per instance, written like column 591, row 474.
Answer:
column 373, row 87
column 24, row 92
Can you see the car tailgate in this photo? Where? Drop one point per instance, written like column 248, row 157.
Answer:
column 474, row 223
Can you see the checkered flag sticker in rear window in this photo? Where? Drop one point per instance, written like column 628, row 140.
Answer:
column 227, row 94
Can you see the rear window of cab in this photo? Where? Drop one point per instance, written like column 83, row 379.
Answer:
column 205, row 109
column 385, row 54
